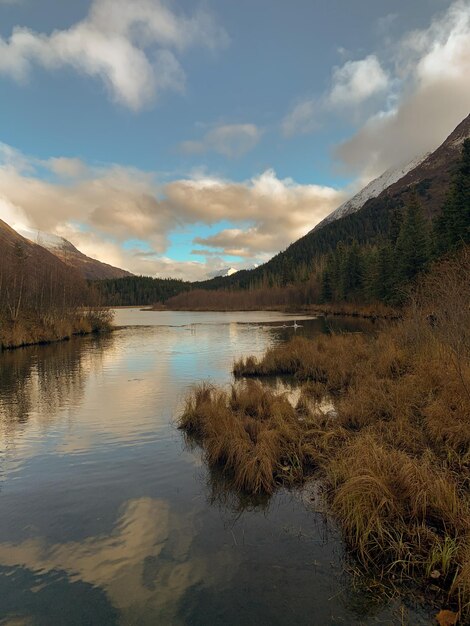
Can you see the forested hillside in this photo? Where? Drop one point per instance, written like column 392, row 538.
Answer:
column 374, row 254
column 368, row 256
column 382, row 272
column 378, row 221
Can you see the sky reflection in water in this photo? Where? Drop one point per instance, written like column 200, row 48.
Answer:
column 108, row 518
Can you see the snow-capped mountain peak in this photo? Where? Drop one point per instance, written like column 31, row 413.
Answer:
column 225, row 271
column 229, row 271
column 60, row 247
column 372, row 190
column 47, row 240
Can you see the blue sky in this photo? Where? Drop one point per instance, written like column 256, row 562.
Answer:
column 146, row 131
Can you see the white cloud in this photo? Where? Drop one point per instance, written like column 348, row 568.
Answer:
column 277, row 211
column 130, row 46
column 302, row 119
column 67, row 168
column 404, row 110
column 433, row 66
column 97, row 246
column 230, row 140
column 99, row 209
column 351, row 84
column 385, row 23
column 357, row 81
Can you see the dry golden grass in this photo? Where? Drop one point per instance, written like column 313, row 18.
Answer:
column 47, row 329
column 251, row 432
column 330, row 360
column 396, row 455
column 377, row 310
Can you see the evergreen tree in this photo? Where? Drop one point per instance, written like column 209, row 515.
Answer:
column 353, row 272
column 412, row 247
column 452, row 228
column 386, row 274
column 370, row 265
column 326, row 287
column 335, row 266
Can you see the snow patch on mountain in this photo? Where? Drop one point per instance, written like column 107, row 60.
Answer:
column 47, row 240
column 372, row 190
column 226, row 271
column 229, row 271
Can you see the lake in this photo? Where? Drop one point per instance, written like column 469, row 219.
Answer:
column 109, row 517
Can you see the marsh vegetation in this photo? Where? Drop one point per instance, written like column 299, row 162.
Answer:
column 394, row 455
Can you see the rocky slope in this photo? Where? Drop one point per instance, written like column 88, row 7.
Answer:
column 89, row 268
column 38, row 261
column 372, row 190
column 429, row 174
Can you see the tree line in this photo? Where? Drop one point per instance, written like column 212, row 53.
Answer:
column 41, row 299
column 383, row 271
column 138, row 290
column 370, row 256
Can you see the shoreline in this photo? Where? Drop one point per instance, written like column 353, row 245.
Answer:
column 47, row 337
column 30, row 331
column 48, row 342
column 394, row 450
column 371, row 313
column 382, row 455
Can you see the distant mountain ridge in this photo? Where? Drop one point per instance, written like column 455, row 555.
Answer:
column 432, row 176
column 367, row 223
column 229, row 271
column 89, row 268
column 225, row 271
column 397, row 179
column 38, row 260
column 371, row 190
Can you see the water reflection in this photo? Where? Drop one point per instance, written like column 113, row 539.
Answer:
column 39, row 381
column 231, row 502
column 108, row 518
column 129, row 564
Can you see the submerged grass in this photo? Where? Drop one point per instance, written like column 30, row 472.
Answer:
column 395, row 456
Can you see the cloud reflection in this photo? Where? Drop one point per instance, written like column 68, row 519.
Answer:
column 141, row 569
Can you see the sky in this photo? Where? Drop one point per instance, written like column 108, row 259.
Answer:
column 177, row 137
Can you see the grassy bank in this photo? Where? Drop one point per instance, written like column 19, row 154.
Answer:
column 371, row 311
column 347, row 309
column 30, row 330
column 394, row 455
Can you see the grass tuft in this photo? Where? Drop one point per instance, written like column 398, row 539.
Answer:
column 395, row 452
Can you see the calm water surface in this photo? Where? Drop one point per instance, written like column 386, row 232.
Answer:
column 108, row 518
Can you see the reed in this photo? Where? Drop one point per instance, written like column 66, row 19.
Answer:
column 251, row 432
column 41, row 329
column 395, row 456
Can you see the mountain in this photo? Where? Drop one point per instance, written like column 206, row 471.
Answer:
column 89, row 268
column 426, row 172
column 372, row 190
column 225, row 271
column 229, row 271
column 38, row 261
column 376, row 219
column 432, row 176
